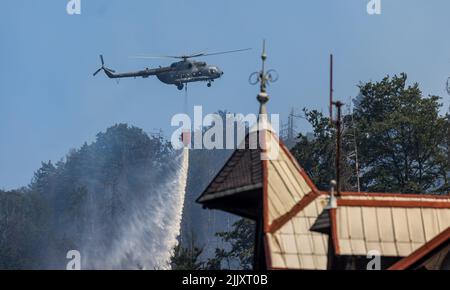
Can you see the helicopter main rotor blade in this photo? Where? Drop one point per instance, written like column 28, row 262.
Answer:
column 145, row 56
column 221, row 52
column 195, row 54
column 187, row 56
column 153, row 57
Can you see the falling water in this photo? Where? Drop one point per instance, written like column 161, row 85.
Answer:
column 149, row 235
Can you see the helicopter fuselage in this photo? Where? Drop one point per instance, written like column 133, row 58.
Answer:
column 187, row 71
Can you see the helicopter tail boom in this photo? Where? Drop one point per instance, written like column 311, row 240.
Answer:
column 142, row 73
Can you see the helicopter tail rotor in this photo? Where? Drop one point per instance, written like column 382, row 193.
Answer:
column 103, row 68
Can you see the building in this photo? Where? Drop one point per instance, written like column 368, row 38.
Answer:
column 301, row 227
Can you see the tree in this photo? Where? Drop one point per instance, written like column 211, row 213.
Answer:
column 401, row 137
column 43, row 179
column 237, row 252
column 402, row 144
column 187, row 258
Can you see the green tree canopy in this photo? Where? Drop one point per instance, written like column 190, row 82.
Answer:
column 401, row 137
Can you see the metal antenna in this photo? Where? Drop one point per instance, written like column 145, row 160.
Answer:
column 291, row 125
column 331, row 87
column 338, row 124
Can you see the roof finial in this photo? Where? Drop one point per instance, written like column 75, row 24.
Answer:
column 263, row 72
column 263, row 78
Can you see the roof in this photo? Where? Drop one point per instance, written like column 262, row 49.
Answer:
column 424, row 252
column 242, row 172
column 291, row 205
column 393, row 224
column 294, row 246
column 263, row 178
column 272, row 183
column 285, row 185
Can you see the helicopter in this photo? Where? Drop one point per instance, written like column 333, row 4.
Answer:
column 178, row 73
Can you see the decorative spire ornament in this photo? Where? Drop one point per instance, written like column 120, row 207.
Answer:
column 263, row 78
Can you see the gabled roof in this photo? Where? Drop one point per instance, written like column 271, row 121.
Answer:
column 291, row 205
column 286, row 198
column 287, row 187
column 242, row 172
column 290, row 202
column 237, row 187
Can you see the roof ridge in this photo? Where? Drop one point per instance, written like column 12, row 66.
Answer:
column 303, row 202
column 403, row 195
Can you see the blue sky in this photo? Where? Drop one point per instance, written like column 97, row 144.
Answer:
column 50, row 103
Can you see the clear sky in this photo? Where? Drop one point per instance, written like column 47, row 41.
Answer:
column 50, row 103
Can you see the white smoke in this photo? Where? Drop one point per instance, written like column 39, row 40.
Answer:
column 150, row 233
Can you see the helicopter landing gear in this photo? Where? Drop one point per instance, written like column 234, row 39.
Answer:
column 180, row 87
column 209, row 84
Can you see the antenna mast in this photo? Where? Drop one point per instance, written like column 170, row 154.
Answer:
column 338, row 124
column 331, row 87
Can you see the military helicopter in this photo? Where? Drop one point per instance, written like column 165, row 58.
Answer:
column 178, row 73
